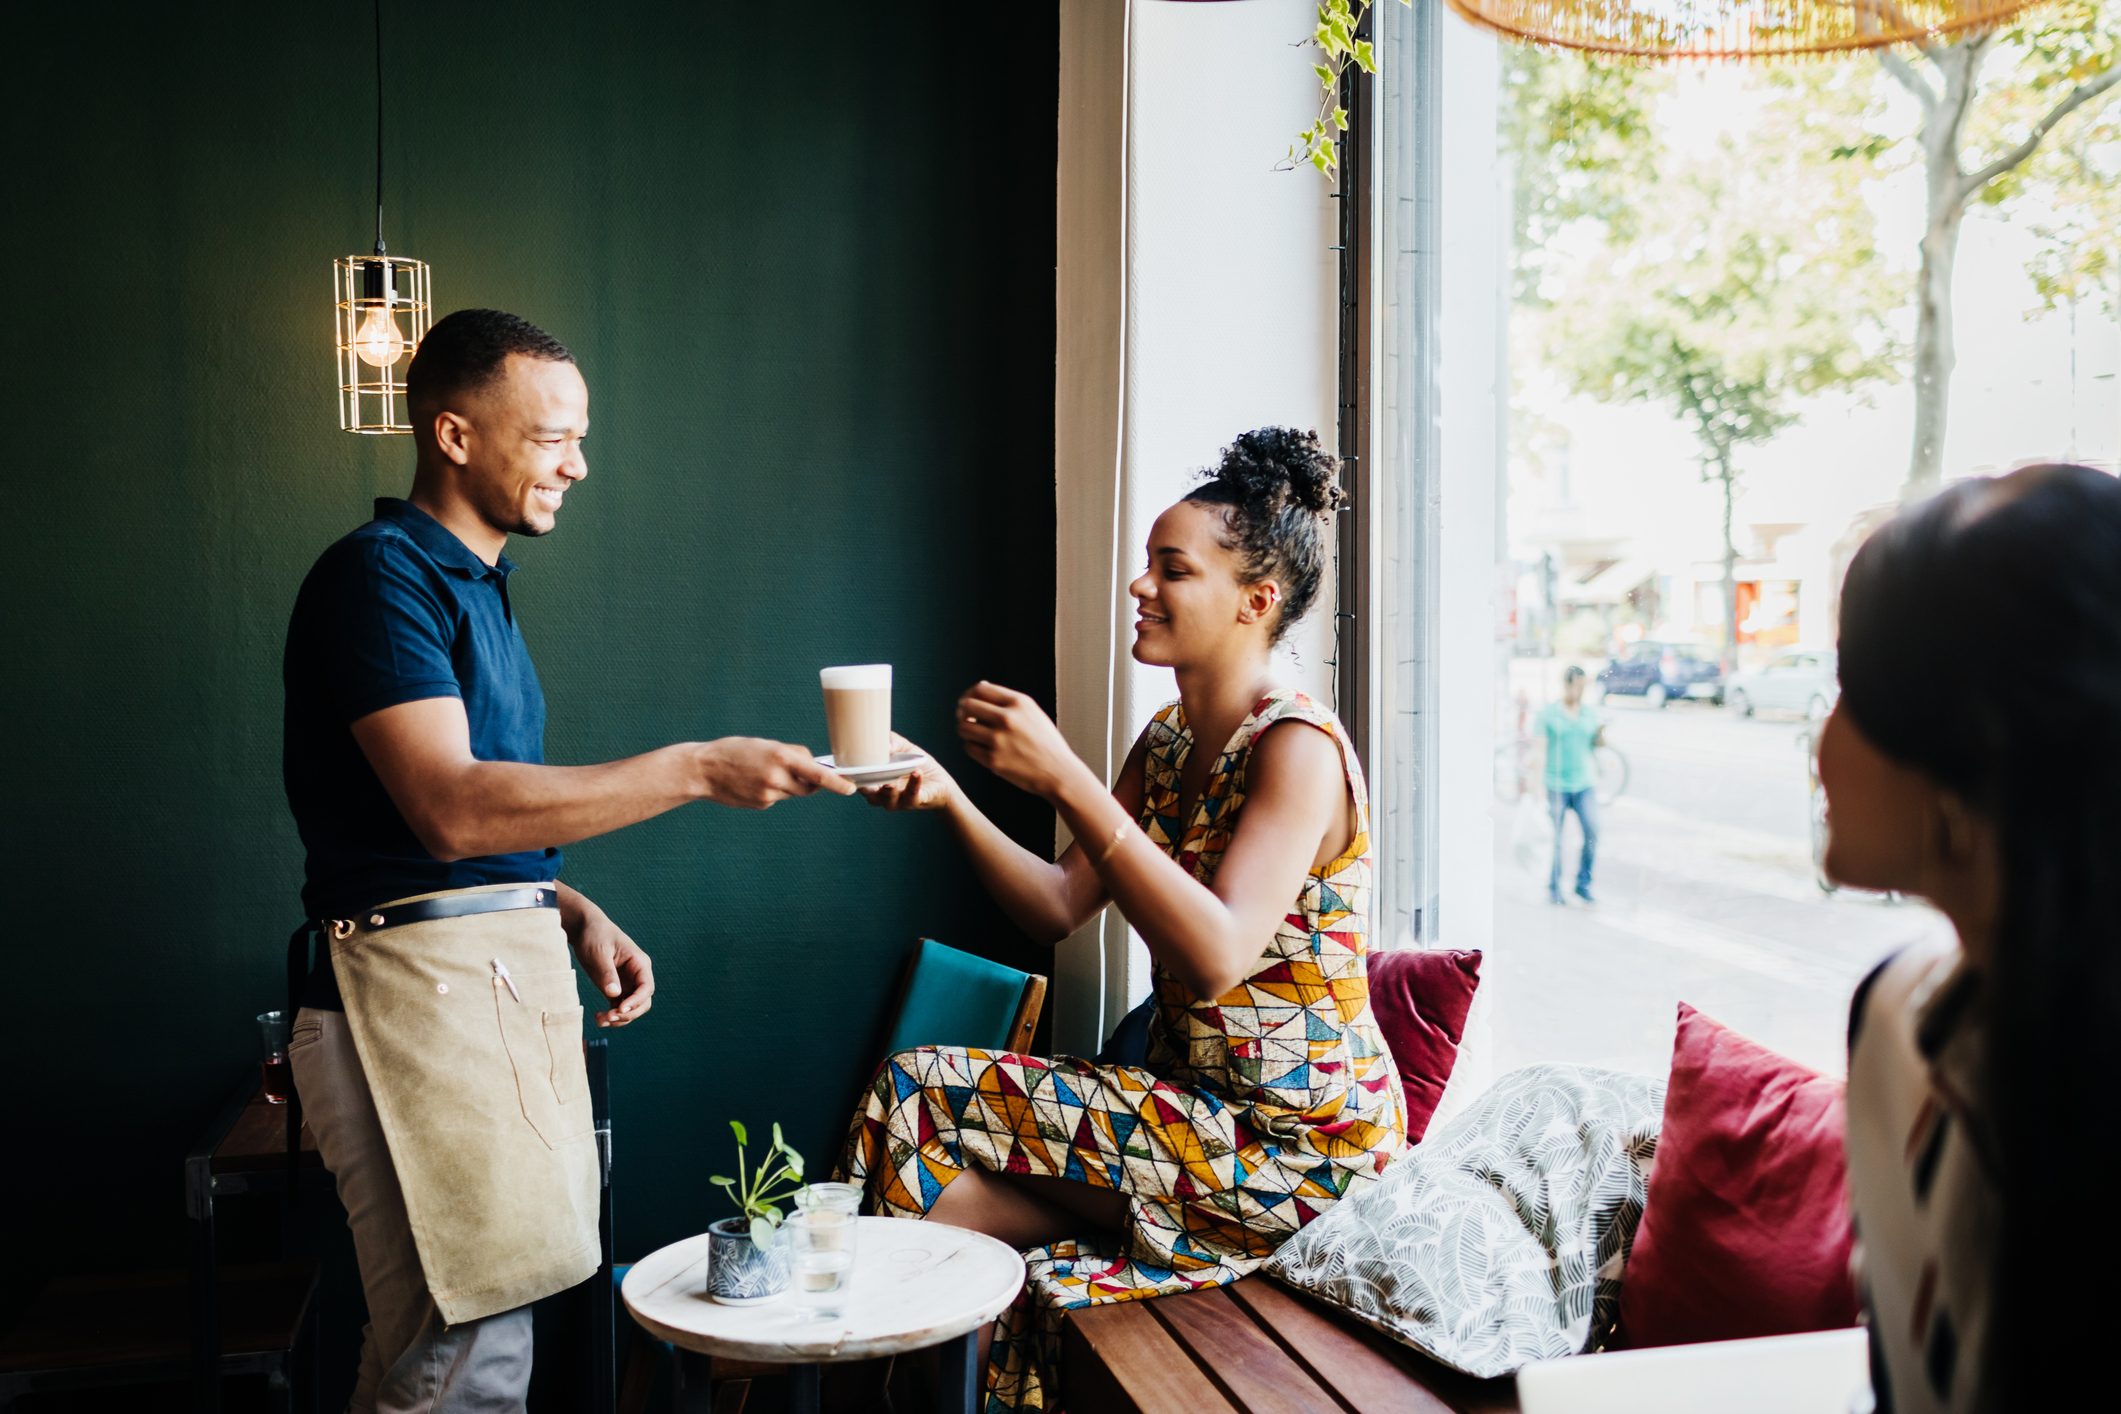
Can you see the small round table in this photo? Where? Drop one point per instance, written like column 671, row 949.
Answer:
column 914, row 1284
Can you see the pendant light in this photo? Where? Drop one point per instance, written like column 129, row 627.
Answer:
column 384, row 307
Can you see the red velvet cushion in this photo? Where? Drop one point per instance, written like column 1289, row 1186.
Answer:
column 1746, row 1228
column 1420, row 997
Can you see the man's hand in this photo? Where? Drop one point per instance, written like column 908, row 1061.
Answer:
column 616, row 965
column 752, row 773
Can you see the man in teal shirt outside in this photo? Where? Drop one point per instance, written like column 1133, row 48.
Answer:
column 1573, row 731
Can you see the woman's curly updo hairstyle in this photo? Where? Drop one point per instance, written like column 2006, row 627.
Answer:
column 1279, row 490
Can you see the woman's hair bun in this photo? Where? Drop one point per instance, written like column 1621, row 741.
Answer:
column 1276, row 487
column 1273, row 467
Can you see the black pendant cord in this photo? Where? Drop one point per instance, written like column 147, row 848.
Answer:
column 379, row 127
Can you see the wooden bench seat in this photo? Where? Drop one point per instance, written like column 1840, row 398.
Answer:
column 1253, row 1347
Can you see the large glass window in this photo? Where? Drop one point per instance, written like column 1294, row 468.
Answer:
column 1699, row 333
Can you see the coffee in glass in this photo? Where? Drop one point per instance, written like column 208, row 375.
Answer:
column 858, row 714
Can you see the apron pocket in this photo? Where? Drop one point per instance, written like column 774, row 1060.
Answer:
column 553, row 1091
column 569, row 1072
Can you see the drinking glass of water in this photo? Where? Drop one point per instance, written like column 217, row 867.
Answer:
column 822, row 1251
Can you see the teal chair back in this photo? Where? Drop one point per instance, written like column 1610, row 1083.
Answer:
column 952, row 998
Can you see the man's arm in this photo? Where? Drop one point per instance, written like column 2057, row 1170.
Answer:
column 459, row 806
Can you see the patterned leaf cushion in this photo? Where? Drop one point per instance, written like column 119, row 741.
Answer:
column 1501, row 1239
column 1420, row 997
column 1747, row 1228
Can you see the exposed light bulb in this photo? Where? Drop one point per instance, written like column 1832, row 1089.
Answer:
column 378, row 343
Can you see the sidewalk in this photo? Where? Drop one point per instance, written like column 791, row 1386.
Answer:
column 1726, row 918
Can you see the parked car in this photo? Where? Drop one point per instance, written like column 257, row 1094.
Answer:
column 1807, row 682
column 1660, row 671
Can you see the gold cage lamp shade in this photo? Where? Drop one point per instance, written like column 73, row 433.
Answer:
column 1734, row 29
column 384, row 310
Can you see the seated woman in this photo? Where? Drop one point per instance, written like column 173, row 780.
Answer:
column 1975, row 760
column 1245, row 867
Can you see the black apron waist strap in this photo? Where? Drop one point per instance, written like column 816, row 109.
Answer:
column 460, row 905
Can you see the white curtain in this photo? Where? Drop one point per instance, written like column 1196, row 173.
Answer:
column 1196, row 299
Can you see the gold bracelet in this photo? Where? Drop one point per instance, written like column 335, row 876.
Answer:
column 1119, row 837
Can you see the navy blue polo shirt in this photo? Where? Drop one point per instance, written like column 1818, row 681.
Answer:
column 398, row 611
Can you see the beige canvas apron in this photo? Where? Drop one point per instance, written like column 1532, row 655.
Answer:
column 483, row 1096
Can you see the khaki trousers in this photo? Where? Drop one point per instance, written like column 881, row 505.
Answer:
column 451, row 1102
column 411, row 1363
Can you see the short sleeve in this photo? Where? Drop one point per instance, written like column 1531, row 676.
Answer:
column 385, row 633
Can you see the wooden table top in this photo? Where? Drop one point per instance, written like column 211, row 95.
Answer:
column 259, row 1138
column 914, row 1284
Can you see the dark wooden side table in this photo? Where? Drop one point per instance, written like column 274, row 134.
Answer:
column 243, row 1150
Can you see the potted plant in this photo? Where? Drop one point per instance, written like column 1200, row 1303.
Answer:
column 746, row 1263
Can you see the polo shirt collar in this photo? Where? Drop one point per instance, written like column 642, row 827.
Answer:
column 438, row 541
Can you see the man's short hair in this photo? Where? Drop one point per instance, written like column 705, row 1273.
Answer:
column 465, row 351
column 1573, row 674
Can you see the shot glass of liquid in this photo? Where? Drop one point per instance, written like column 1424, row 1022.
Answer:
column 272, row 1035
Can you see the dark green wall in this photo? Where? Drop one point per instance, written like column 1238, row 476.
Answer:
column 805, row 258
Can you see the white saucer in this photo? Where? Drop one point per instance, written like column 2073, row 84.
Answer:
column 901, row 765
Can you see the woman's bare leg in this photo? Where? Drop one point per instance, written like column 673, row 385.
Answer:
column 1026, row 1210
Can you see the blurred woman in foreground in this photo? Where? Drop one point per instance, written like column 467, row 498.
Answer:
column 1975, row 760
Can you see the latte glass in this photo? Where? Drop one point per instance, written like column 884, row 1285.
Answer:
column 858, row 714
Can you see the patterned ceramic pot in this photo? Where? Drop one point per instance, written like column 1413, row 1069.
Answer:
column 738, row 1273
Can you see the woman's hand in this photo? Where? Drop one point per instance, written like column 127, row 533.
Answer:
column 929, row 788
column 1010, row 735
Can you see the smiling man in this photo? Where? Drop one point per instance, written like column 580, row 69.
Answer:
column 438, row 1051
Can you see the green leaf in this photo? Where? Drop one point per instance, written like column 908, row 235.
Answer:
column 722, row 1182
column 795, row 1163
column 741, row 1136
column 762, row 1234
column 1365, row 56
column 1325, row 75
column 1340, row 119
column 1322, row 159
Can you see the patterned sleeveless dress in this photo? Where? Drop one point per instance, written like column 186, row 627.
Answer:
column 1256, row 1112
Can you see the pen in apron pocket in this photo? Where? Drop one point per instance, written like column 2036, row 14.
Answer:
column 500, row 970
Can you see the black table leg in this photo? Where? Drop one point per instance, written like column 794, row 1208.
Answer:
column 205, row 1294
column 803, row 1389
column 960, row 1373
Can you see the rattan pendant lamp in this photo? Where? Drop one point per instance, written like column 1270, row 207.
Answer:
column 1735, row 29
column 384, row 306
